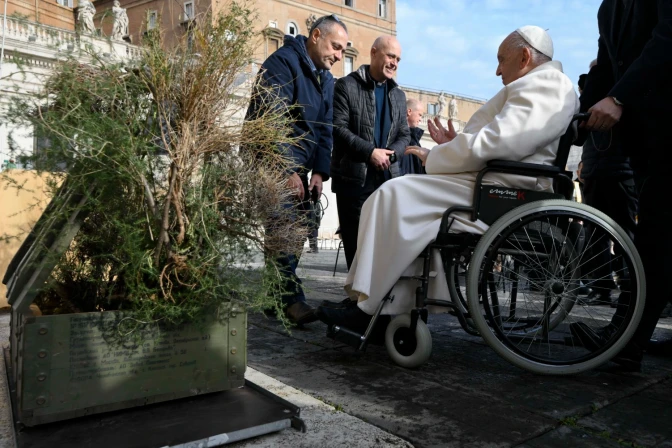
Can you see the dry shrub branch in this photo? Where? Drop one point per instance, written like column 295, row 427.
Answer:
column 178, row 191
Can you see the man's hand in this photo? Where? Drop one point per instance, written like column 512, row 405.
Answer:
column 440, row 134
column 603, row 116
column 421, row 153
column 296, row 186
column 316, row 183
column 380, row 158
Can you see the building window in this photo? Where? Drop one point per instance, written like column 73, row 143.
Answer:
column 349, row 58
column 348, row 64
column 432, row 109
column 188, row 11
column 152, row 19
column 292, row 29
column 348, row 2
column 382, row 8
column 67, row 3
column 274, row 38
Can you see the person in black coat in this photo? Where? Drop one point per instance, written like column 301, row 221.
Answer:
column 609, row 186
column 370, row 135
column 629, row 90
column 411, row 164
column 298, row 72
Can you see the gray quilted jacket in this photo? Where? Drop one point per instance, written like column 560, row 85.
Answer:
column 354, row 118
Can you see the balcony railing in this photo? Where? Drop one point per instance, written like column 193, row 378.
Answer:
column 34, row 38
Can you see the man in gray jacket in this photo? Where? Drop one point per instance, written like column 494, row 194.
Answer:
column 370, row 135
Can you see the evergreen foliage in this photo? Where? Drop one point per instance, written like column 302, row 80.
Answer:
column 175, row 199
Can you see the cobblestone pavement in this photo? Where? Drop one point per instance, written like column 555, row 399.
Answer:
column 466, row 395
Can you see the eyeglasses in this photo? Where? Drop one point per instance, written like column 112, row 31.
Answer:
column 331, row 17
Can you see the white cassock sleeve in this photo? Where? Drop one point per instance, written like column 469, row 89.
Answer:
column 534, row 115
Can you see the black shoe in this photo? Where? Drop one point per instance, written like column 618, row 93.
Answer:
column 352, row 317
column 630, row 358
column 583, row 290
column 300, row 313
column 660, row 348
column 592, row 339
column 596, row 298
column 345, row 303
column 356, row 320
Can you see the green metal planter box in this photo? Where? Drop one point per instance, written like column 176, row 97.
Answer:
column 66, row 366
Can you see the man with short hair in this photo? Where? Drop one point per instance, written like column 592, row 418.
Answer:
column 370, row 135
column 298, row 73
column 411, row 164
column 523, row 122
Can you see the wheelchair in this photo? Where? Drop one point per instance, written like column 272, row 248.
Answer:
column 517, row 284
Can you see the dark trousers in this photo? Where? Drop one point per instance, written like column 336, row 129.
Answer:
column 617, row 198
column 349, row 210
column 654, row 244
column 299, row 211
column 349, row 205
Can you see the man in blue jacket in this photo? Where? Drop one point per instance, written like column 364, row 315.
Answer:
column 299, row 73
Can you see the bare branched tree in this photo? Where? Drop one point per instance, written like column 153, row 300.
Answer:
column 179, row 190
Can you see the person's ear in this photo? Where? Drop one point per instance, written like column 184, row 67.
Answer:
column 315, row 34
column 526, row 58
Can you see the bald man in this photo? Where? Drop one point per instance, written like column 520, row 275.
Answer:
column 523, row 122
column 370, row 135
column 411, row 164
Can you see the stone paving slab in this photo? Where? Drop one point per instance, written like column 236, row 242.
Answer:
column 644, row 418
column 465, row 395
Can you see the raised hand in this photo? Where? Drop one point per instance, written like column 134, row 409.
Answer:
column 440, row 134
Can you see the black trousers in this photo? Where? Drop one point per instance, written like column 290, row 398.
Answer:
column 617, row 198
column 653, row 239
column 349, row 210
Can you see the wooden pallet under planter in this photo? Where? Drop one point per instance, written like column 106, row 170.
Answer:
column 66, row 366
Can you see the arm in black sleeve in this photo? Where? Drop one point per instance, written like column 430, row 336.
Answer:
column 654, row 62
column 277, row 79
column 357, row 149
column 600, row 79
column 403, row 137
column 325, row 142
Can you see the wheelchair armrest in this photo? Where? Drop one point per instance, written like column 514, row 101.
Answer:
column 534, row 168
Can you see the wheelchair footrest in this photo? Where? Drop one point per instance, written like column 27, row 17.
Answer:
column 345, row 335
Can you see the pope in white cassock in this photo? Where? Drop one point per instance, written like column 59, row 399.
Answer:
column 523, row 122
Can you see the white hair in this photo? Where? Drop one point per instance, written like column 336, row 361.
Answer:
column 413, row 104
column 517, row 41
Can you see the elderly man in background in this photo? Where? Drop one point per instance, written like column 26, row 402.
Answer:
column 370, row 134
column 299, row 74
column 411, row 164
column 523, row 123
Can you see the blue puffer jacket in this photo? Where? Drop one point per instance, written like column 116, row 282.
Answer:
column 289, row 72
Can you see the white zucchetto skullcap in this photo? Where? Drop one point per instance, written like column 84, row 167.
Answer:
column 537, row 38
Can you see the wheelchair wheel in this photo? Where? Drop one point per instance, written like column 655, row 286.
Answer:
column 540, row 326
column 457, row 280
column 405, row 348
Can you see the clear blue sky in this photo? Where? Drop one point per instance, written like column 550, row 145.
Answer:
column 452, row 45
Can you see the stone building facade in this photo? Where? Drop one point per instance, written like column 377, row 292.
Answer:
column 47, row 27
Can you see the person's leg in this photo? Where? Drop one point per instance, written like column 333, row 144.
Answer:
column 349, row 211
column 654, row 243
column 597, row 268
column 293, row 297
